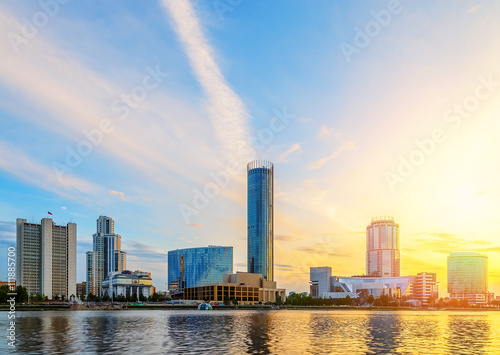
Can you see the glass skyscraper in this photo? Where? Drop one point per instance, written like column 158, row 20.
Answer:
column 198, row 266
column 260, row 229
column 382, row 248
column 467, row 273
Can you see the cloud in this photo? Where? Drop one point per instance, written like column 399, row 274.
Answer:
column 325, row 132
column 120, row 195
column 8, row 231
column 63, row 207
column 321, row 251
column 15, row 162
column 472, row 9
column 227, row 112
column 196, row 225
column 319, row 163
column 286, row 238
column 137, row 251
column 293, row 148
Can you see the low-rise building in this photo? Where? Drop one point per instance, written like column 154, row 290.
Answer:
column 128, row 283
column 81, row 288
column 327, row 286
column 243, row 286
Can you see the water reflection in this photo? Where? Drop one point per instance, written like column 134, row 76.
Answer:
column 468, row 334
column 385, row 333
column 262, row 332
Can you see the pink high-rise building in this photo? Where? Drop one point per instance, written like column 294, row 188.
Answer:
column 382, row 247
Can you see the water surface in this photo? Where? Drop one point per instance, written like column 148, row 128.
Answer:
column 254, row 332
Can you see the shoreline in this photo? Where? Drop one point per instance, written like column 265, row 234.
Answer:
column 167, row 307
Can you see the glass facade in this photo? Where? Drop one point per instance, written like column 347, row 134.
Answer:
column 260, row 219
column 467, row 273
column 199, row 266
column 382, row 248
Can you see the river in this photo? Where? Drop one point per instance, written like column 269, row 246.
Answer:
column 257, row 332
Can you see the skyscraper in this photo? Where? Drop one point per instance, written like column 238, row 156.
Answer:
column 102, row 260
column 468, row 276
column 193, row 267
column 46, row 258
column 260, row 220
column 382, row 248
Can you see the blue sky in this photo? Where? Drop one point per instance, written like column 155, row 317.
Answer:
column 225, row 77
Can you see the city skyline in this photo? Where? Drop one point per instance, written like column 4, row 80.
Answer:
column 154, row 125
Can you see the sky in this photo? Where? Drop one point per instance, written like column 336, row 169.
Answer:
column 148, row 112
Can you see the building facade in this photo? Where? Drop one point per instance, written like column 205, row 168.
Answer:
column 194, row 267
column 46, row 258
column 106, row 255
column 425, row 287
column 468, row 277
column 243, row 286
column 260, row 219
column 382, row 248
column 320, row 280
column 358, row 286
column 128, row 283
column 81, row 288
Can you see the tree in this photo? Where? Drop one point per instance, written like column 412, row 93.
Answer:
column 431, row 301
column 235, row 301
column 3, row 293
column 370, row 299
column 227, row 301
column 56, row 297
column 279, row 300
column 22, row 294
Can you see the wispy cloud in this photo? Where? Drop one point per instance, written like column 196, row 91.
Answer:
column 283, row 158
column 325, row 132
column 472, row 9
column 121, row 195
column 17, row 163
column 227, row 112
column 7, row 231
column 344, row 147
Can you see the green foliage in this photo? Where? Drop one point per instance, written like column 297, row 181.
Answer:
column 299, row 299
column 279, row 300
column 370, row 299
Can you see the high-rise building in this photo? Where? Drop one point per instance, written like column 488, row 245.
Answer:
column 425, row 287
column 468, row 277
column 106, row 256
column 198, row 266
column 382, row 248
column 46, row 258
column 260, row 220
column 120, row 260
